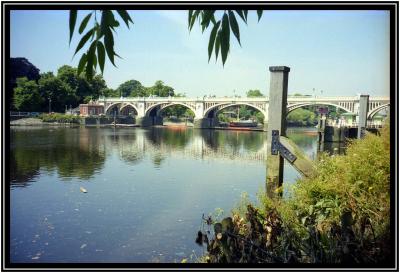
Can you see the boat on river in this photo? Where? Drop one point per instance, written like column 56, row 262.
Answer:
column 243, row 123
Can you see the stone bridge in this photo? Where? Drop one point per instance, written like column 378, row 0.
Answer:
column 148, row 110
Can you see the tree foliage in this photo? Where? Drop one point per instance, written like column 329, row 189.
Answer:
column 131, row 88
column 302, row 117
column 254, row 93
column 18, row 68
column 26, row 95
column 100, row 36
column 101, row 39
column 219, row 41
column 64, row 89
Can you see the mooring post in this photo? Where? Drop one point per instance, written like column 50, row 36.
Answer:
column 276, row 121
column 362, row 115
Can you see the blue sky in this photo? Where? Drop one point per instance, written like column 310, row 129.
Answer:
column 342, row 53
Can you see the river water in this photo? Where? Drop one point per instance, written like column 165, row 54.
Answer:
column 147, row 189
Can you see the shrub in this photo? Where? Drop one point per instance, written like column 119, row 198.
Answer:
column 340, row 215
column 60, row 118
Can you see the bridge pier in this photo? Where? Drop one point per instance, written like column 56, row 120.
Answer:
column 205, row 123
column 144, row 121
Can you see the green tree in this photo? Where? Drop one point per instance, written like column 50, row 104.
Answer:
column 60, row 93
column 109, row 92
column 27, row 96
column 301, row 117
column 131, row 88
column 161, row 90
column 254, row 93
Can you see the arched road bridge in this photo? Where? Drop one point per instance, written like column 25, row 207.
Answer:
column 148, row 110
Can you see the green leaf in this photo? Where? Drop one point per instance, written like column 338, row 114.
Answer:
column 90, row 61
column 225, row 32
column 217, row 44
column 259, row 13
column 190, row 17
column 193, row 19
column 72, row 20
column 207, row 15
column 109, row 45
column 84, row 39
column 245, row 14
column 107, row 19
column 82, row 63
column 234, row 26
column 125, row 16
column 101, row 55
column 84, row 23
column 212, row 39
column 241, row 14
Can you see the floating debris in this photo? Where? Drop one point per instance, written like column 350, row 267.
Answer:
column 35, row 258
column 83, row 189
column 83, row 246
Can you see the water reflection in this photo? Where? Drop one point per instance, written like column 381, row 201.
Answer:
column 81, row 152
column 147, row 189
column 71, row 152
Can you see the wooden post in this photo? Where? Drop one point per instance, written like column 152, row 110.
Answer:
column 362, row 115
column 277, row 121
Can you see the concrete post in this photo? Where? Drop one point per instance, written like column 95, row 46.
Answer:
column 276, row 121
column 362, row 115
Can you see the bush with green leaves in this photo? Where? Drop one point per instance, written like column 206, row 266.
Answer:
column 340, row 215
column 60, row 118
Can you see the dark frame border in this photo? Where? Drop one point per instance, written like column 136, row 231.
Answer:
column 7, row 6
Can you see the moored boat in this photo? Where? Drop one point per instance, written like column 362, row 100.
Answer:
column 243, row 123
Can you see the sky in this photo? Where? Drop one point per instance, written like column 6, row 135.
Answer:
column 330, row 53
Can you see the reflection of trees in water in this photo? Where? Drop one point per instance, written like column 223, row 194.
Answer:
column 173, row 137
column 72, row 152
column 234, row 140
column 126, row 142
column 157, row 159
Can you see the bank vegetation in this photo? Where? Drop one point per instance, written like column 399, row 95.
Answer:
column 341, row 215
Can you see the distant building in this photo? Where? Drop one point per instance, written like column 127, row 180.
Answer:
column 91, row 109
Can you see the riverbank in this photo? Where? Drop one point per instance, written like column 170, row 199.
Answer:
column 339, row 215
column 38, row 122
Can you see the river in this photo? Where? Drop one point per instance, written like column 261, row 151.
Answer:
column 147, row 189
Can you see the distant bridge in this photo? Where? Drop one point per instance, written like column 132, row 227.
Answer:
column 206, row 109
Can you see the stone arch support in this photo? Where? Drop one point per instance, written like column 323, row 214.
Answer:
column 164, row 105
column 218, row 107
column 293, row 107
column 374, row 111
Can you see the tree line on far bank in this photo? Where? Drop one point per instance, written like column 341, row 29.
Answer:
column 67, row 89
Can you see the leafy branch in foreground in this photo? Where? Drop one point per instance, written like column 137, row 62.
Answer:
column 221, row 29
column 101, row 37
column 102, row 40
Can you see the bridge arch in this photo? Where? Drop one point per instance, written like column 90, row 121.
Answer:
column 126, row 107
column 112, row 106
column 217, row 108
column 373, row 112
column 293, row 107
column 164, row 105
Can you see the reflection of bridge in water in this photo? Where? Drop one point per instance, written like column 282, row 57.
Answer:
column 140, row 145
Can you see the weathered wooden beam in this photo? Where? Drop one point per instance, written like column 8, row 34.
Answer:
column 302, row 163
column 277, row 121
